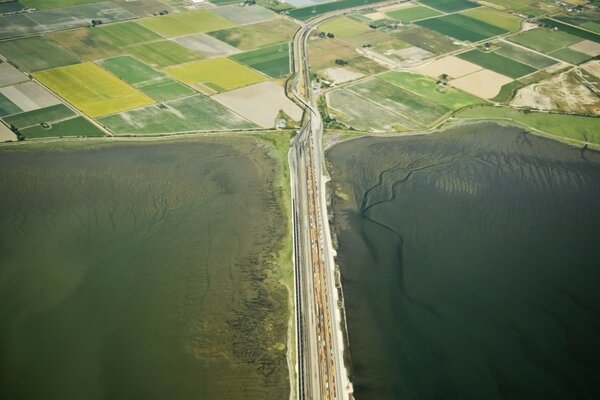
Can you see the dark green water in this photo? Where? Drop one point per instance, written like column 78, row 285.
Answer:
column 471, row 265
column 143, row 271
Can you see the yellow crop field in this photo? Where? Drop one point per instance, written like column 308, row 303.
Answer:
column 92, row 89
column 219, row 74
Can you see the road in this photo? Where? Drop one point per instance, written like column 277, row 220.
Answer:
column 320, row 341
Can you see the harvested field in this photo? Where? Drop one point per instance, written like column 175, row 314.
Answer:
column 273, row 60
column 93, row 90
column 362, row 114
column 245, row 15
column 410, row 14
column 190, row 114
column 36, row 53
column 343, row 26
column 7, row 107
column 502, row 20
column 593, row 67
column 85, row 43
column 6, row 135
column 220, row 74
column 544, row 40
column 462, row 27
column 427, row 39
column 29, row 96
column 78, row 126
column 249, row 37
column 260, row 103
column 49, row 114
column 375, row 16
column 322, row 53
column 570, row 56
column 145, row 8
column 588, row 47
column 339, row 75
column 485, row 83
column 450, row 5
column 452, row 66
column 498, row 63
column 206, row 45
column 126, row 34
column 525, row 56
column 9, row 75
column 163, row 53
column 186, row 23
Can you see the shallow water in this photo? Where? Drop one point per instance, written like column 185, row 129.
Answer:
column 142, row 271
column 471, row 265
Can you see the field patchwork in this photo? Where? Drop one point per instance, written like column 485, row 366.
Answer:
column 571, row 56
column 502, row 20
column 273, row 61
column 29, row 96
column 206, row 46
column 525, row 56
column 427, row 39
column 78, row 126
column 93, row 90
column 163, row 53
column 498, row 63
column 544, row 40
column 245, row 15
column 36, row 53
column 9, row 75
column 410, row 14
column 7, row 107
column 450, row 6
column 452, row 66
column 462, row 27
column 188, row 23
column 343, row 26
column 317, row 9
column 48, row 114
column 249, row 37
column 85, row 43
column 484, row 83
column 126, row 34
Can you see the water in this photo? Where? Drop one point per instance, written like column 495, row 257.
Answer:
column 142, row 271
column 471, row 265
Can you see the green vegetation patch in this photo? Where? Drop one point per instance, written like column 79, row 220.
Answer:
column 7, row 107
column 544, row 40
column 450, row 5
column 165, row 89
column 413, row 13
column 573, row 30
column 502, row 20
column 343, row 26
column 508, row 91
column 36, row 53
column 498, row 63
column 12, row 6
column 48, row 114
column 78, row 126
column 462, row 27
column 186, row 23
column 570, row 56
column 126, row 34
column 273, row 61
column 525, row 56
column 580, row 128
column 44, row 4
column 249, row 37
column 194, row 113
column 163, row 53
column 427, row 39
column 85, row 43
column 312, row 11
column 530, row 7
column 450, row 98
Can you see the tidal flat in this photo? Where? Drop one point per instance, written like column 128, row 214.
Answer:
column 143, row 271
column 470, row 264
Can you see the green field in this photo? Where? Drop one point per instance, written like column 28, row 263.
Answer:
column 544, row 40
column 78, row 126
column 7, row 107
column 312, row 11
column 10, row 7
column 219, row 74
column 570, row 56
column 462, row 27
column 186, row 23
column 343, row 26
column 525, row 56
column 531, row 7
column 573, row 30
column 502, row 20
column 125, row 34
column 36, row 53
column 250, row 37
column 92, row 89
column 194, row 113
column 273, row 60
column 450, row 6
column 163, row 53
column 427, row 39
column 451, row 98
column 165, row 89
column 36, row 117
column 85, row 43
column 580, row 128
column 498, row 63
column 44, row 4
column 412, row 14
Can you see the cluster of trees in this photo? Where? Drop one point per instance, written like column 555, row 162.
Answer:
column 327, row 35
column 340, row 61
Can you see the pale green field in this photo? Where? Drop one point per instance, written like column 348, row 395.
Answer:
column 343, row 26
column 497, row 18
column 186, row 23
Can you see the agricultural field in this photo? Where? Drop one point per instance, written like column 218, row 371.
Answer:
column 525, row 56
column 305, row 13
column 498, row 63
column 29, row 96
column 36, row 53
column 145, row 78
column 77, row 126
column 451, row 66
column 9, row 75
column 144, row 8
column 343, row 26
column 163, row 53
column 411, row 14
column 462, row 27
column 530, row 7
column 544, row 40
column 218, row 74
column 50, row 114
column 7, row 107
column 93, row 90
column 250, row 37
column 570, row 56
column 483, row 83
column 573, row 30
column 244, row 15
column 502, row 20
column 85, row 43
column 13, row 6
column 45, row 4
column 126, row 34
column 189, row 114
column 450, row 6
column 588, row 20
column 206, row 46
column 427, row 39
column 273, row 61
column 188, row 23
column 322, row 53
